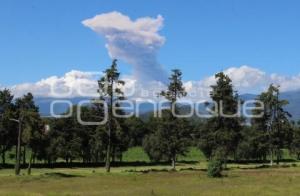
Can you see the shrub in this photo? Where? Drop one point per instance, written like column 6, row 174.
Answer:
column 214, row 169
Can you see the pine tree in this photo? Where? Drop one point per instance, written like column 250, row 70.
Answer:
column 110, row 91
column 170, row 136
column 220, row 137
column 274, row 123
column 7, row 127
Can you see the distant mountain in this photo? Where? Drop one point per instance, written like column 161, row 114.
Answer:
column 59, row 105
column 293, row 97
column 146, row 109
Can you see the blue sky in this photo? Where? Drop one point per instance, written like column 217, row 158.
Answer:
column 44, row 38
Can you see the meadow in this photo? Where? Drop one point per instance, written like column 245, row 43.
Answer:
column 189, row 179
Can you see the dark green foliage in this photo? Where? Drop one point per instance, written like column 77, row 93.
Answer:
column 215, row 168
column 295, row 145
column 253, row 145
column 273, row 128
column 8, row 128
column 169, row 135
column 222, row 133
column 136, row 130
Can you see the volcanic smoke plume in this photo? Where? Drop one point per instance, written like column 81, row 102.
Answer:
column 134, row 41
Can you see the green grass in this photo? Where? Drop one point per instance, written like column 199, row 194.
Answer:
column 93, row 181
column 138, row 154
column 189, row 179
column 194, row 154
column 135, row 154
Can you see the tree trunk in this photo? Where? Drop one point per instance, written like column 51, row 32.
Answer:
column 271, row 157
column 34, row 157
column 24, row 155
column 278, row 156
column 121, row 158
column 108, row 152
column 29, row 164
column 174, row 162
column 18, row 150
column 107, row 160
column 3, row 158
column 113, row 154
column 225, row 163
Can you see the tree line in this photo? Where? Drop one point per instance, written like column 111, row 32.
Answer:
column 163, row 138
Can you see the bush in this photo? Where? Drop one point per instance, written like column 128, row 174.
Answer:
column 214, row 169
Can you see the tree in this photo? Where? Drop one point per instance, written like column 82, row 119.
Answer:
column 175, row 90
column 29, row 123
column 274, row 122
column 66, row 142
column 110, row 91
column 167, row 139
column 253, row 144
column 295, row 146
column 137, row 131
column 221, row 135
column 32, row 136
column 7, row 127
column 171, row 135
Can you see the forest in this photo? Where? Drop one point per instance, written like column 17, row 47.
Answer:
column 223, row 139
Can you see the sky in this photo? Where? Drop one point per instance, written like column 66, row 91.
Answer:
column 254, row 41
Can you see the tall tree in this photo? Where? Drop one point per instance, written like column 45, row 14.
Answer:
column 175, row 90
column 221, row 135
column 110, row 91
column 32, row 136
column 274, row 122
column 170, row 136
column 28, row 118
column 7, row 134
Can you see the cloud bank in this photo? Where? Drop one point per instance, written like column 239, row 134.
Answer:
column 75, row 83
column 72, row 84
column 134, row 41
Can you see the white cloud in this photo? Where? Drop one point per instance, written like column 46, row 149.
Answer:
column 134, row 41
column 72, row 84
column 245, row 79
column 83, row 84
column 286, row 83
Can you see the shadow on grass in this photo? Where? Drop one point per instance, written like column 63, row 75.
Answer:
column 245, row 162
column 165, row 170
column 101, row 164
column 264, row 166
column 61, row 175
column 146, row 171
column 193, row 169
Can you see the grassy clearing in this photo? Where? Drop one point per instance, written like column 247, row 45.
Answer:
column 135, row 154
column 279, row 181
column 190, row 179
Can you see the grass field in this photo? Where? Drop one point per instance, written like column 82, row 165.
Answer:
column 189, row 179
column 93, row 181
